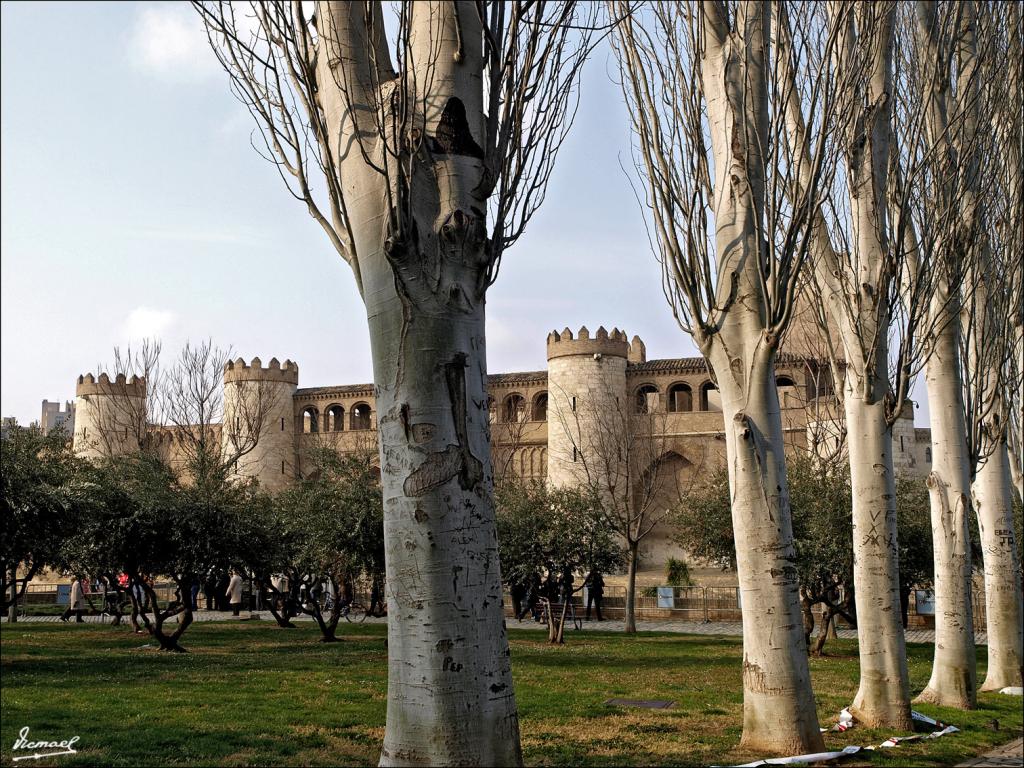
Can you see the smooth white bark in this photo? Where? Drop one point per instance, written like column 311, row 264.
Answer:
column 953, row 678
column 450, row 698
column 418, row 236
column 993, row 502
column 778, row 706
column 859, row 302
column 883, row 697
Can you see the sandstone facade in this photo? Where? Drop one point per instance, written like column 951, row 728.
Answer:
column 542, row 422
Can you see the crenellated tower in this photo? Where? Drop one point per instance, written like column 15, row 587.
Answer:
column 586, row 387
column 110, row 415
column 259, row 420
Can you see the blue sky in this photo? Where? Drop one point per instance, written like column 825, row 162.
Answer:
column 133, row 205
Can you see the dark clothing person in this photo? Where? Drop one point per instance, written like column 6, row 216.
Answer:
column 314, row 594
column 222, row 587
column 377, row 607
column 595, row 594
column 210, row 590
column 518, row 592
column 533, row 601
column 565, row 585
column 194, row 597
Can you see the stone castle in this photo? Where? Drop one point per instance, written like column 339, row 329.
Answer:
column 540, row 420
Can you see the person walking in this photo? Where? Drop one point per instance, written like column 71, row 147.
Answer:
column 76, row 602
column 377, row 606
column 595, row 593
column 234, row 593
column 533, row 599
column 210, row 589
column 193, row 597
column 518, row 592
column 222, row 582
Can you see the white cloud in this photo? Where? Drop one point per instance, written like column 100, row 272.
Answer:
column 148, row 323
column 168, row 40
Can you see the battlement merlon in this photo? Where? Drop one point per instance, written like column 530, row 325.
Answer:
column 133, row 386
column 238, row 370
column 565, row 344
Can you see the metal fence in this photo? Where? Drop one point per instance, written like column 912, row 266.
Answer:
column 714, row 603
column 38, row 595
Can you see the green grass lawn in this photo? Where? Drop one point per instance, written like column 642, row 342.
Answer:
column 253, row 694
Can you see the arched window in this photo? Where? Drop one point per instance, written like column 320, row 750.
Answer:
column 310, row 420
column 710, row 397
column 680, row 398
column 646, row 399
column 335, row 419
column 540, row 407
column 360, row 416
column 513, row 410
column 788, row 395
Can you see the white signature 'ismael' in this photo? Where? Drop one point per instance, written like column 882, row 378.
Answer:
column 22, row 742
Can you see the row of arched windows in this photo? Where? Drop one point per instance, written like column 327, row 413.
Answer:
column 334, row 419
column 513, row 409
column 679, row 397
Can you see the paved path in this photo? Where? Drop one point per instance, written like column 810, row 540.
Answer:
column 1009, row 755
column 682, row 627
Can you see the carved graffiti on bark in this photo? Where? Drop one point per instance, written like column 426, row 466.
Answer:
column 456, row 458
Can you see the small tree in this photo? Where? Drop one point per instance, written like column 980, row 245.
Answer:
column 37, row 507
column 546, row 533
column 143, row 522
column 623, row 452
column 333, row 523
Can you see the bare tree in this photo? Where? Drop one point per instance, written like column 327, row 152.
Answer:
column 116, row 407
column 175, row 416
column 877, row 284
column 622, row 455
column 509, row 432
column 938, row 85
column 708, row 86
column 421, row 169
column 179, row 412
column 212, row 424
column 989, row 59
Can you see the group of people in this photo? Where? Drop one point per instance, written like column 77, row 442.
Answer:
column 221, row 588
column 317, row 592
column 529, row 596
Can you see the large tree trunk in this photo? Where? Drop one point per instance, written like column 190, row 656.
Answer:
column 419, row 239
column 993, row 499
column 953, row 678
column 883, row 698
column 450, row 698
column 634, row 557
column 778, row 706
